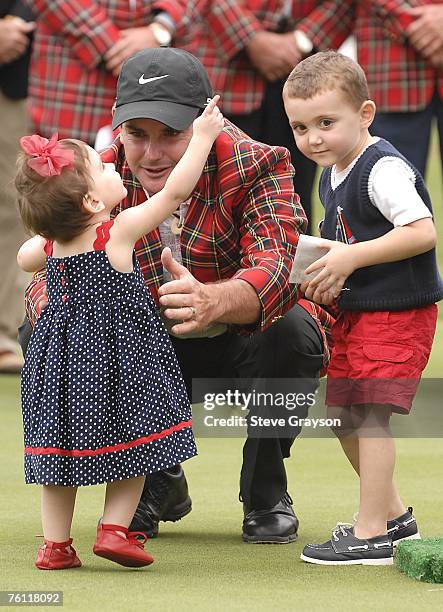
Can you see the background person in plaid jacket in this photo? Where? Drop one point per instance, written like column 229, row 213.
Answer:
column 229, row 306
column 249, row 48
column 400, row 48
column 79, row 48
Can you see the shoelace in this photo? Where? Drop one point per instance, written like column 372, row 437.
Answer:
column 287, row 499
column 341, row 528
column 158, row 492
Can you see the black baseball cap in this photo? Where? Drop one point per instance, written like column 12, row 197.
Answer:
column 166, row 84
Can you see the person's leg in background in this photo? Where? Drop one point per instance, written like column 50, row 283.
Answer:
column 13, row 280
column 269, row 124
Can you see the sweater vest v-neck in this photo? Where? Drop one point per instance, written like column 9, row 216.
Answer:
column 351, row 217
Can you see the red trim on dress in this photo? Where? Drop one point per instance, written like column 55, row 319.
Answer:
column 103, row 235
column 29, row 450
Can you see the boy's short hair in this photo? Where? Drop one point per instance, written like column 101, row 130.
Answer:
column 53, row 206
column 325, row 71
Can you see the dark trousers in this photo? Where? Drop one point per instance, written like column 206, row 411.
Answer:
column 291, row 348
column 269, row 124
column 410, row 133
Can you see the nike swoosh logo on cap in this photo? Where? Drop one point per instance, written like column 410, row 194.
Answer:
column 143, row 81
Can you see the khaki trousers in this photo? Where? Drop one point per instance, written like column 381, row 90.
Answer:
column 13, row 118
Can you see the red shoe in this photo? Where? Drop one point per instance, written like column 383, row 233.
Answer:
column 127, row 551
column 57, row 555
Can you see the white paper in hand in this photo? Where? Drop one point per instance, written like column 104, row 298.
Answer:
column 308, row 251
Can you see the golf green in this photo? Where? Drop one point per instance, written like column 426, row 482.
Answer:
column 201, row 562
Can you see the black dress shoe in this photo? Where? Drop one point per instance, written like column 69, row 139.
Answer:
column 276, row 525
column 164, row 498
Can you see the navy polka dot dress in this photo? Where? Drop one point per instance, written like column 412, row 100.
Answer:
column 102, row 393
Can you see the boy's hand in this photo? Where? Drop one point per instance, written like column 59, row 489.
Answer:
column 210, row 123
column 335, row 267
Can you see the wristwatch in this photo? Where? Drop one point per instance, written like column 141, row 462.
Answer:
column 304, row 45
column 161, row 34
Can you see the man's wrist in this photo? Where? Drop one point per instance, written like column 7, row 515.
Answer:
column 304, row 44
column 165, row 20
column 234, row 302
column 162, row 35
column 214, row 296
column 163, row 28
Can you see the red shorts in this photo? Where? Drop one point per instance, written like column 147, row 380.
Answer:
column 379, row 357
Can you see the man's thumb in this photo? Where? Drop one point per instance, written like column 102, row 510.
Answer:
column 175, row 269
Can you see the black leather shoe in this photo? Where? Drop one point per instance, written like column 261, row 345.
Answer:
column 276, row 525
column 164, row 498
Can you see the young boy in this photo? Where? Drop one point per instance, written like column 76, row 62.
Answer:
column 382, row 266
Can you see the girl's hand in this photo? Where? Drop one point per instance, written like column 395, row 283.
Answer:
column 210, row 123
column 334, row 268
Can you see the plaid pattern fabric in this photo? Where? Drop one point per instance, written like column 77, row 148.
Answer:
column 399, row 79
column 70, row 90
column 231, row 228
column 222, row 27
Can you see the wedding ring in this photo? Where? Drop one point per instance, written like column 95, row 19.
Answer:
column 192, row 317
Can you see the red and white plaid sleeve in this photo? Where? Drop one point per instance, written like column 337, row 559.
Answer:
column 229, row 22
column 33, row 295
column 271, row 222
column 329, row 24
column 83, row 23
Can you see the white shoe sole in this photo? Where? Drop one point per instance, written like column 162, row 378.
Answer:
column 387, row 561
column 416, row 536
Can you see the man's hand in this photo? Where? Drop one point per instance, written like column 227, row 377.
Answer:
column 13, row 38
column 426, row 32
column 184, row 298
column 131, row 40
column 333, row 270
column 437, row 59
column 274, row 55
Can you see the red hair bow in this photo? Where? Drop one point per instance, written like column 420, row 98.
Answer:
column 48, row 158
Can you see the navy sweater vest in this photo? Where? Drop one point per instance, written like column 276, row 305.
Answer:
column 351, row 217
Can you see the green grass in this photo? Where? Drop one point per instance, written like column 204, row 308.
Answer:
column 201, row 563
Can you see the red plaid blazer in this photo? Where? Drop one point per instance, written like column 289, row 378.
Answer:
column 399, row 79
column 222, row 27
column 243, row 221
column 70, row 90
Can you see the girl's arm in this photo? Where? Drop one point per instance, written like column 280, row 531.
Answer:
column 135, row 222
column 31, row 256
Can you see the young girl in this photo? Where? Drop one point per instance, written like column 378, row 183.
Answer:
column 103, row 397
